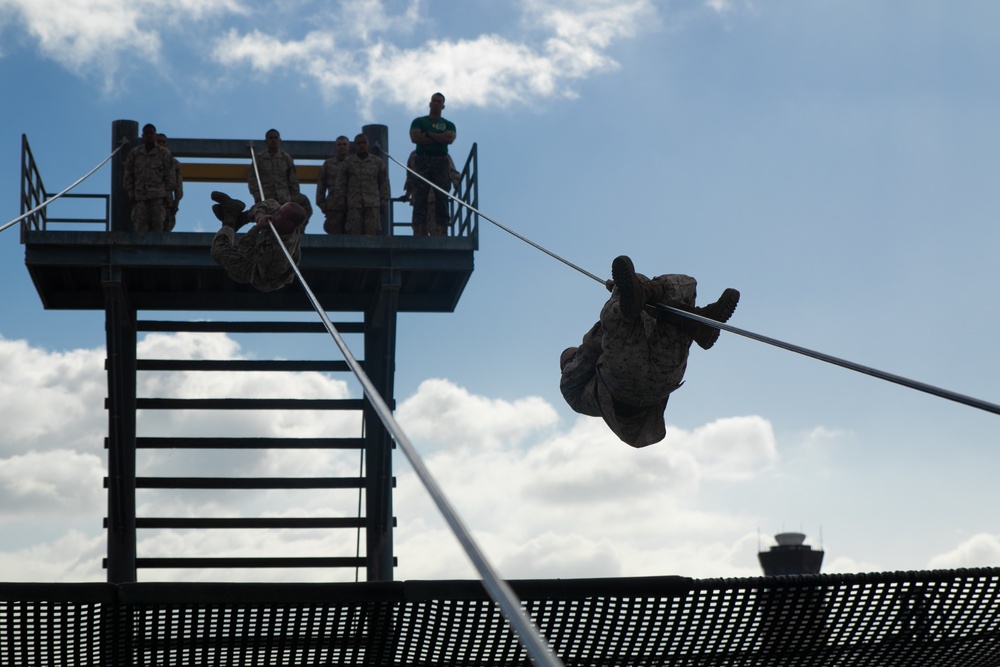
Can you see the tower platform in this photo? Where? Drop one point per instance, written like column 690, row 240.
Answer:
column 174, row 271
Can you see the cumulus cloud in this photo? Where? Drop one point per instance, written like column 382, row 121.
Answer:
column 365, row 48
column 85, row 35
column 562, row 43
column 61, row 481
column 543, row 498
column 980, row 550
column 62, row 391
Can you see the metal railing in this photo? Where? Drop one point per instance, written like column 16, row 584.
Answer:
column 33, row 194
column 462, row 220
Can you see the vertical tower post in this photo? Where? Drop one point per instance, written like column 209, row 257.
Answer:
column 380, row 366
column 120, row 326
column 378, row 135
column 121, row 210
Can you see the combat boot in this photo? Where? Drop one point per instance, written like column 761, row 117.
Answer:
column 230, row 211
column 720, row 311
column 631, row 287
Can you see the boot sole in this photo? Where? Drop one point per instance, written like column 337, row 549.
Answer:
column 629, row 289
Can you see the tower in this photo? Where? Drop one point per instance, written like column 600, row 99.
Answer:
column 133, row 278
column 790, row 556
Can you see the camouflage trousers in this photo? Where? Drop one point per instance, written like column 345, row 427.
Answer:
column 436, row 169
column 170, row 220
column 643, row 359
column 250, row 261
column 625, row 369
column 365, row 220
column 334, row 223
column 428, row 225
column 149, row 215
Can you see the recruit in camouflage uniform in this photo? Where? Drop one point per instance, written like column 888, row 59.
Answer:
column 633, row 358
column 149, row 181
column 257, row 259
column 362, row 190
column 327, row 182
column 277, row 172
column 428, row 225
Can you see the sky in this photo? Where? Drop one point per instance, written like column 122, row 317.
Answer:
column 835, row 161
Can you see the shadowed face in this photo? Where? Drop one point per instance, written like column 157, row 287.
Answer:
column 361, row 145
column 437, row 104
column 342, row 146
column 149, row 136
column 273, row 141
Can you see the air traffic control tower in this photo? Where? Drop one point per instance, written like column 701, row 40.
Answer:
column 98, row 263
column 791, row 556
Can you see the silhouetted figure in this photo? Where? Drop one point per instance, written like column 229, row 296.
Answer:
column 634, row 357
column 257, row 258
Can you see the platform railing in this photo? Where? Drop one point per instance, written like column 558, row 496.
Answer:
column 33, row 194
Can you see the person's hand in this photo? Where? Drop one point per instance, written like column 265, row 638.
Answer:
column 610, row 284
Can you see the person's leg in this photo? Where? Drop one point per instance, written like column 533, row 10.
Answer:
column 442, row 179
column 354, row 224
column 140, row 217
column 334, row 223
column 372, row 221
column 157, row 215
column 422, row 165
column 578, row 373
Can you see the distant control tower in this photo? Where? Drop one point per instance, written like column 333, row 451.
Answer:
column 790, row 556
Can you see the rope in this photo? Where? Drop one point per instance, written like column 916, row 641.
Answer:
column 480, row 213
column 498, row 589
column 60, row 194
column 882, row 375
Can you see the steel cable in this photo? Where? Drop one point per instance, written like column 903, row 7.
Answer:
column 499, row 590
column 60, row 194
column 874, row 372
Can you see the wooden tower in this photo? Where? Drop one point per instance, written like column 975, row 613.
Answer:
column 100, row 264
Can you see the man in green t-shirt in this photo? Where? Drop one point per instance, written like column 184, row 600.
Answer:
column 432, row 134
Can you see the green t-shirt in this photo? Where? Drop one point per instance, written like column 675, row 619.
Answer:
column 432, row 125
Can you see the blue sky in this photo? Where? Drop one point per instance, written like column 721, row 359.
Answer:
column 835, row 161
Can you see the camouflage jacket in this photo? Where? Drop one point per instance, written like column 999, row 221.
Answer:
column 149, row 174
column 327, row 183
column 277, row 176
column 271, row 269
column 361, row 183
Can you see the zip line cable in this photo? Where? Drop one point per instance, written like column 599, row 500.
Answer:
column 60, row 194
column 478, row 212
column 850, row 365
column 499, row 590
column 874, row 372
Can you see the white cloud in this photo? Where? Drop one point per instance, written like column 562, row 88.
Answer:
column 89, row 35
column 443, row 415
column 359, row 47
column 63, row 393
column 485, row 70
column 58, row 481
column 980, row 550
column 542, row 498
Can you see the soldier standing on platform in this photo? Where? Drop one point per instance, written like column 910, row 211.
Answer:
column 362, row 189
column 334, row 223
column 432, row 134
column 277, row 173
column 149, row 182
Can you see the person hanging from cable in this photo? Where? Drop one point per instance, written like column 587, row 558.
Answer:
column 635, row 356
column 257, row 259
